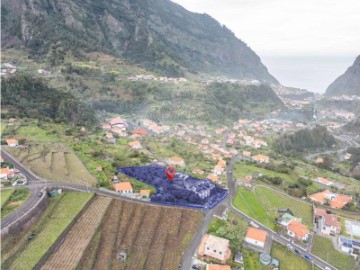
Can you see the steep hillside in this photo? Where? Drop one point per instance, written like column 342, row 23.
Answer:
column 29, row 97
column 305, row 140
column 159, row 35
column 348, row 83
column 353, row 126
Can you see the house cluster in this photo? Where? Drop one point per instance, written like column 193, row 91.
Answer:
column 334, row 200
column 143, row 77
column 217, row 171
column 126, row 189
column 7, row 69
column 11, row 175
column 114, row 127
column 224, row 79
column 154, row 127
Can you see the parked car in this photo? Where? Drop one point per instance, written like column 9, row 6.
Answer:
column 297, row 251
column 308, row 257
column 196, row 267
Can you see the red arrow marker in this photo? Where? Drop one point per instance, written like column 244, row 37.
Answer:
column 170, row 173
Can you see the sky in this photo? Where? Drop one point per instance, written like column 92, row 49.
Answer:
column 303, row 43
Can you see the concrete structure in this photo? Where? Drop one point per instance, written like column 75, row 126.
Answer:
column 287, row 218
column 214, row 247
column 348, row 245
column 256, row 237
column 326, row 223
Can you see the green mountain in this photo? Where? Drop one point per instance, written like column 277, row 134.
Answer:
column 30, row 97
column 348, row 83
column 305, row 140
column 159, row 35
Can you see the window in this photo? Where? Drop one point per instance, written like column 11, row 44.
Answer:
column 220, row 252
column 214, row 250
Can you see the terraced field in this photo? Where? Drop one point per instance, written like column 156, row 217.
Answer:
column 28, row 251
column 53, row 161
column 152, row 237
column 69, row 253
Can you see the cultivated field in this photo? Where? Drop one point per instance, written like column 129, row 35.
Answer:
column 324, row 248
column 53, row 161
column 69, row 253
column 262, row 205
column 46, row 231
column 153, row 237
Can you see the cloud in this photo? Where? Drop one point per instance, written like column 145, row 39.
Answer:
column 283, row 27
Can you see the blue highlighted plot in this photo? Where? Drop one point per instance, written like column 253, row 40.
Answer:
column 183, row 190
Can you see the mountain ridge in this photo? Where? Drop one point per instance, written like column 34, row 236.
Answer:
column 348, row 83
column 159, row 35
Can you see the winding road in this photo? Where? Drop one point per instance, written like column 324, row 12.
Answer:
column 36, row 184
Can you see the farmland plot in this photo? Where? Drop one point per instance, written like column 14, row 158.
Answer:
column 53, row 161
column 153, row 237
column 68, row 255
column 48, row 230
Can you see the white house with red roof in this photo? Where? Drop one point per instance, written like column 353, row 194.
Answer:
column 327, row 223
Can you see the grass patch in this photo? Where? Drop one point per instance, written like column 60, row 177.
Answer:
column 16, row 198
column 34, row 133
column 5, row 195
column 288, row 260
column 241, row 169
column 262, row 205
column 49, row 229
column 324, row 248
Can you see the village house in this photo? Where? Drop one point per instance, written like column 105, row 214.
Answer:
column 319, row 160
column 106, row 126
column 327, row 224
column 11, row 121
column 140, row 131
column 324, row 181
column 261, row 158
column 217, row 267
column 123, row 188
column 297, row 230
column 118, row 122
column 255, row 237
column 144, row 193
column 120, row 132
column 5, row 173
column 347, row 156
column 176, row 161
column 214, row 247
column 335, row 200
column 135, row 145
column 246, row 153
column 213, row 177
column 12, row 142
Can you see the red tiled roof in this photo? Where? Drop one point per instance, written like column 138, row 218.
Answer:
column 300, row 230
column 256, row 234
